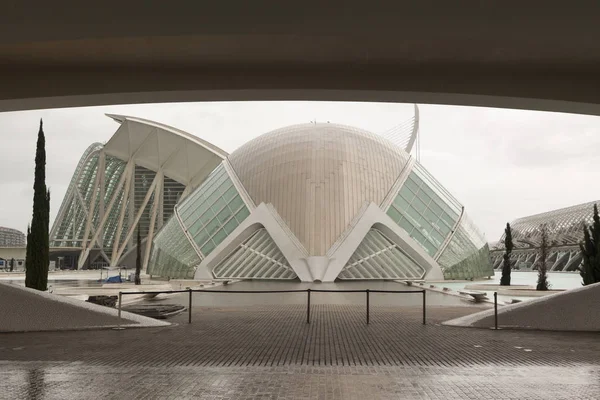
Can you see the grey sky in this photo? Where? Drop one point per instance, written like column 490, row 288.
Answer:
column 501, row 164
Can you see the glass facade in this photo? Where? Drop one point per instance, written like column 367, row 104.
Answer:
column 208, row 215
column 467, row 254
column 428, row 213
column 425, row 210
column 213, row 211
column 172, row 254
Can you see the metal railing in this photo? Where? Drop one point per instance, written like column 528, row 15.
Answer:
column 496, row 310
column 307, row 291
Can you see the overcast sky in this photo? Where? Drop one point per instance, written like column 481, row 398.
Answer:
column 501, row 164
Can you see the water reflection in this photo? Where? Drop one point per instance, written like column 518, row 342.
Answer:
column 35, row 383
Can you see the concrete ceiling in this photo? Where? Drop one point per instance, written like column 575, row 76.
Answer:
column 535, row 54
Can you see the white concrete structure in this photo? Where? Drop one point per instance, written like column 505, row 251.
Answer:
column 572, row 310
column 319, row 202
column 28, row 310
column 315, row 202
column 133, row 181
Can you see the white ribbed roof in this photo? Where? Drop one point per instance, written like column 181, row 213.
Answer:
column 182, row 156
column 318, row 176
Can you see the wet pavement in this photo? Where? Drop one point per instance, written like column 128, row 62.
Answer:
column 269, row 351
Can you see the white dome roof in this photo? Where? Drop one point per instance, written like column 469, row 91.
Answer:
column 318, row 176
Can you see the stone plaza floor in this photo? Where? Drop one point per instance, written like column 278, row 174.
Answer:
column 269, row 351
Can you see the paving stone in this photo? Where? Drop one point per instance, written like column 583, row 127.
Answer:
column 269, row 352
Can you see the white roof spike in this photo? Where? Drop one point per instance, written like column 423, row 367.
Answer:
column 404, row 135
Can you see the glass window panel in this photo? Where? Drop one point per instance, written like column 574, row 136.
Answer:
column 219, row 236
column 207, row 248
column 193, row 230
column 428, row 191
column 430, row 215
column 201, row 237
column 208, row 215
column 410, row 184
column 425, row 225
column 242, row 214
column 418, row 181
column 231, row 225
column 225, row 186
column 230, row 193
column 236, row 203
column 443, row 228
column 448, row 219
column 213, row 226
column 418, row 236
column 437, row 210
column 437, row 237
column 414, row 214
column 418, row 205
column 218, row 205
column 406, row 225
column 430, row 247
column 213, row 197
column 394, row 214
column 401, row 203
column 424, row 196
column 224, row 215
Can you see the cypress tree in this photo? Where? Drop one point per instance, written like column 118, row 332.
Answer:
column 542, row 283
column 508, row 246
column 138, row 258
column 37, row 252
column 590, row 267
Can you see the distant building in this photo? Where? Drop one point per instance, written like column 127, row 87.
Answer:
column 565, row 232
column 12, row 247
column 312, row 202
column 11, row 237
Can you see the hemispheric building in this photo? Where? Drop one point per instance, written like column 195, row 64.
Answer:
column 312, row 202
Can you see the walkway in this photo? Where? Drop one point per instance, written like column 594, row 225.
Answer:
column 269, row 351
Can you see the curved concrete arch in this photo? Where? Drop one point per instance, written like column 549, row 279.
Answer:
column 540, row 55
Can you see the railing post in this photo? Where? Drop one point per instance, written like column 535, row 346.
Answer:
column 308, row 306
column 190, row 307
column 367, row 306
column 496, row 310
column 424, row 307
column 120, row 301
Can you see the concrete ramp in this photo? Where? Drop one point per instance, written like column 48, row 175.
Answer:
column 25, row 310
column 573, row 310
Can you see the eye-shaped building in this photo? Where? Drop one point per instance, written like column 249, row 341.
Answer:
column 314, row 202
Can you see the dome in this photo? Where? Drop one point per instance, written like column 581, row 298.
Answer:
column 318, row 176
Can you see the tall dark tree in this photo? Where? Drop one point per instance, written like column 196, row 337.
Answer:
column 508, row 247
column 542, row 283
column 138, row 258
column 28, row 251
column 590, row 267
column 38, row 252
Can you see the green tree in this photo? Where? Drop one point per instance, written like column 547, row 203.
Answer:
column 508, row 247
column 542, row 283
column 138, row 258
column 590, row 266
column 38, row 251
